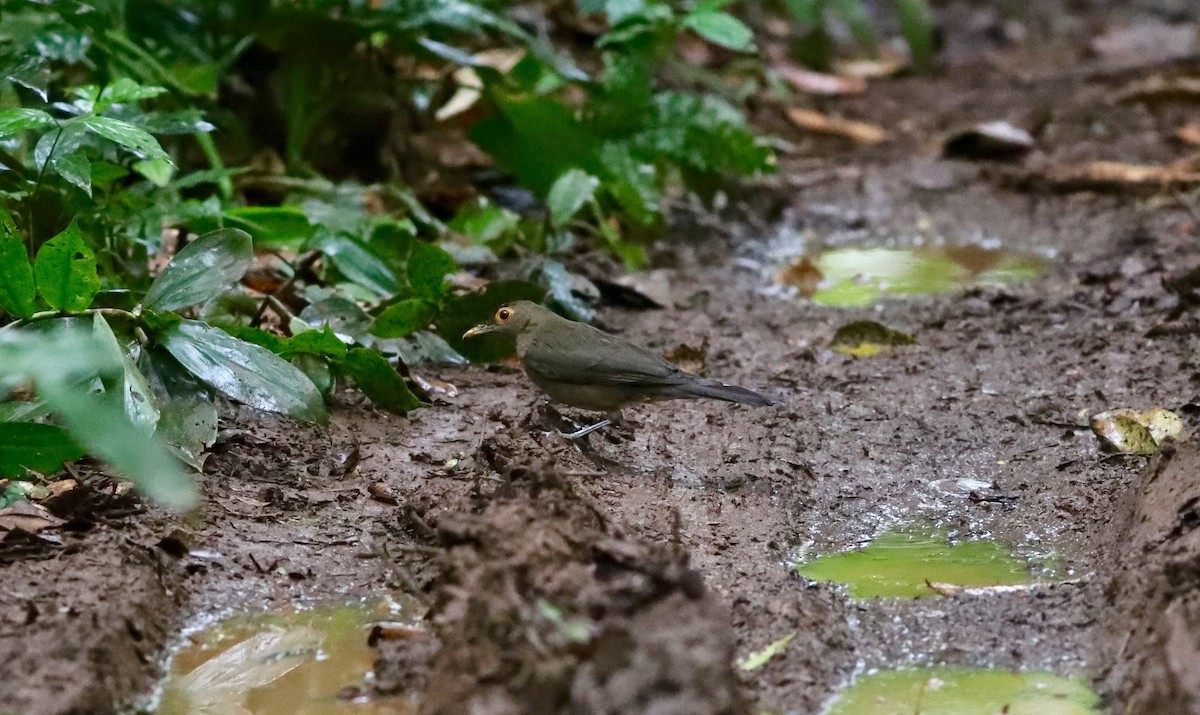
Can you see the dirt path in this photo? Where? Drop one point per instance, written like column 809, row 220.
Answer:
column 626, row 577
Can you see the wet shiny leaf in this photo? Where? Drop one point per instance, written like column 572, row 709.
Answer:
column 404, row 318
column 244, row 372
column 188, row 417
column 202, row 270
column 379, row 381
column 130, row 384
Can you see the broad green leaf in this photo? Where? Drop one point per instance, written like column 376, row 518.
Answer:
column 17, row 120
column 66, row 271
column 34, row 447
column 569, row 194
column 244, row 372
column 188, row 419
column 342, row 315
column 358, row 264
column 157, row 171
column 201, row 270
column 721, row 28
column 140, row 405
column 428, row 267
column 465, row 311
column 379, row 381
column 404, row 318
column 125, row 90
column 75, row 168
column 127, row 135
column 62, row 364
column 17, row 289
column 98, row 423
column 269, row 226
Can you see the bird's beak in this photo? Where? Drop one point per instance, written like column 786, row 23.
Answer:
column 481, row 329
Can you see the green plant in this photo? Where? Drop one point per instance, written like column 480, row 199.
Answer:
column 815, row 45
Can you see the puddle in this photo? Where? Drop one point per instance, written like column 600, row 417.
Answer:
column 293, row 663
column 899, row 564
column 964, row 691
column 854, row 277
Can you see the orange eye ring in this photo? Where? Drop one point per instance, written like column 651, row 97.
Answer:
column 503, row 315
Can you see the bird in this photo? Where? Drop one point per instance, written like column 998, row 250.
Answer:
column 582, row 366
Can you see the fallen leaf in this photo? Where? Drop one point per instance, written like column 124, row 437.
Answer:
column 887, row 63
column 802, row 275
column 813, row 121
column 379, row 492
column 813, row 82
column 689, row 358
column 1160, row 89
column 1115, row 176
column 1146, row 43
column 990, row 140
column 759, row 658
column 470, row 86
column 864, row 338
column 27, row 516
column 1189, row 133
column 434, row 386
column 1127, row 431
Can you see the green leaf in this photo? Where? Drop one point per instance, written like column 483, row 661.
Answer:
column 466, row 311
column 127, row 135
column 428, row 267
column 23, row 118
column 758, row 659
column 721, row 28
column 358, row 264
column 98, row 423
column 125, row 90
column 156, row 171
column 916, row 25
column 854, row 13
column 17, row 290
column 404, row 318
column 130, row 384
column 379, row 381
column 269, row 226
column 66, row 271
column 188, row 418
column 342, row 315
column 569, row 194
column 62, row 365
column 244, row 372
column 75, row 168
column 201, row 270
column 34, row 447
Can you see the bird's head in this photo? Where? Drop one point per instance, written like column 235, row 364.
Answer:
column 510, row 319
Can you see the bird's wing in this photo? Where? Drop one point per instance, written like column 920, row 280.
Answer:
column 591, row 357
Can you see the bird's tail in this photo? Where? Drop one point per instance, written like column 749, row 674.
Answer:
column 704, row 387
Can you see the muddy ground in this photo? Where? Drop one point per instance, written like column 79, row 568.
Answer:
column 668, row 542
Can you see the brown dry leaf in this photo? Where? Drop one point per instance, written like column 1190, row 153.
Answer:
column 820, row 82
column 810, row 81
column 470, row 86
column 391, row 631
column 1116, row 176
column 802, row 274
column 690, row 358
column 380, row 493
column 27, row 516
column 888, row 63
column 434, row 386
column 861, row 132
column 1161, row 89
column 1189, row 133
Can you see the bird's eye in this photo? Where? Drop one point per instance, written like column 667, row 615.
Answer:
column 503, row 315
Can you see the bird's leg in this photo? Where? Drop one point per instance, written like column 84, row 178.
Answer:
column 613, row 418
column 585, row 431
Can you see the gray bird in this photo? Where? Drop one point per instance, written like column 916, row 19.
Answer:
column 585, row 367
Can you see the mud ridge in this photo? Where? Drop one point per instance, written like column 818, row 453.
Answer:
column 543, row 605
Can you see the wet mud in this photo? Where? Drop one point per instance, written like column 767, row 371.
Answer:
column 632, row 572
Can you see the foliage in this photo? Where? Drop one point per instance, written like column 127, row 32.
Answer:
column 315, row 262
column 815, row 17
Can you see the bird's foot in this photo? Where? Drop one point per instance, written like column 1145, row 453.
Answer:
column 585, row 431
